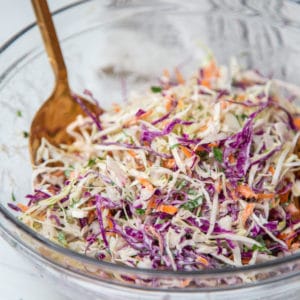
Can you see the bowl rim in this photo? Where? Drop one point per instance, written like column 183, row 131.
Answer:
column 118, row 267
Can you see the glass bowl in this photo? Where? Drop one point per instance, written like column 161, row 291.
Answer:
column 112, row 47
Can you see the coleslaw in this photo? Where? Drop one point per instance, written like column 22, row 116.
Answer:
column 192, row 174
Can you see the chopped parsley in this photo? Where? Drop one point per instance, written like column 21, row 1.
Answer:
column 91, row 162
column 218, row 154
column 156, row 89
column 192, row 204
column 13, row 197
column 174, row 146
column 262, row 247
column 181, row 184
column 140, row 211
column 62, row 239
column 25, row 134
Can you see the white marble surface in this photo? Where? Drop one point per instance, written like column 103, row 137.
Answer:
column 18, row 279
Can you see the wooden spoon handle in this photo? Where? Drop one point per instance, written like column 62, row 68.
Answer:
column 51, row 42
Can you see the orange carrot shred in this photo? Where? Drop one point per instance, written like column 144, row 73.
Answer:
column 169, row 209
column 246, row 191
column 151, row 203
column 168, row 104
column 284, row 197
column 179, row 76
column 185, row 283
column 187, row 152
column 180, row 104
column 247, row 212
column 297, row 122
column 169, row 163
column 213, row 145
column 23, row 207
column 246, row 260
column 224, row 104
column 287, row 237
column 91, row 217
column 265, row 196
column 231, row 158
column 206, row 83
column 145, row 114
column 116, row 107
column 219, row 186
column 294, row 211
column 132, row 153
column 210, row 72
column 200, row 148
column 202, row 260
column 202, row 128
column 146, row 183
column 166, row 73
column 272, row 170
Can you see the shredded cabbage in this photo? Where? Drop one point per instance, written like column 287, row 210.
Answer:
column 186, row 176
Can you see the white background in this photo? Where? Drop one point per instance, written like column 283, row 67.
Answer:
column 18, row 280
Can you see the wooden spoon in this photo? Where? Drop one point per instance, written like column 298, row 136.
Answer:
column 60, row 109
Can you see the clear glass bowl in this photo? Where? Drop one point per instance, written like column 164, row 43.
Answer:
column 112, row 47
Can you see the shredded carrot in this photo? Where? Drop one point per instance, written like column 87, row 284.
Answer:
column 110, row 234
column 146, row 183
column 295, row 246
column 232, row 192
column 297, row 122
column 224, row 104
column 145, row 115
column 110, row 224
column 200, row 148
column 180, row 104
column 287, row 237
column 294, row 211
column 284, row 197
column 231, row 158
column 58, row 173
column 91, row 217
column 202, row 128
column 23, row 207
column 187, row 152
column 179, row 76
column 210, row 72
column 166, row 73
column 116, row 107
column 246, row 191
column 151, row 203
column 169, row 163
column 52, row 189
column 169, row 104
column 132, row 153
column 241, row 98
column 206, row 83
column 134, row 120
column 219, row 186
column 247, row 212
column 211, row 145
column 185, row 283
column 272, row 170
column 265, row 196
column 169, row 209
column 246, row 260
column 202, row 260
column 41, row 216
